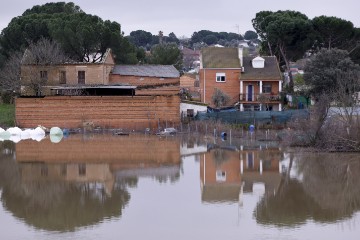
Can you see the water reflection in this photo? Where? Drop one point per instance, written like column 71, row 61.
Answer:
column 85, row 180
column 80, row 181
column 324, row 188
column 228, row 172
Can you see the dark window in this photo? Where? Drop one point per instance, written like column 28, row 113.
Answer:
column 197, row 83
column 62, row 77
column 82, row 169
column 43, row 75
column 190, row 112
column 220, row 77
column 81, row 77
column 266, row 88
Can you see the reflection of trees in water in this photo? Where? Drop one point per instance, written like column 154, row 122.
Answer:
column 290, row 207
column 328, row 192
column 333, row 180
column 56, row 205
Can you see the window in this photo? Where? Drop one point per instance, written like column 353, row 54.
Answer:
column 81, row 77
column 82, row 169
column 220, row 176
column 220, row 77
column 190, row 112
column 196, row 83
column 266, row 88
column 62, row 79
column 43, row 75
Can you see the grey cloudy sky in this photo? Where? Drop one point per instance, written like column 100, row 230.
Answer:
column 187, row 16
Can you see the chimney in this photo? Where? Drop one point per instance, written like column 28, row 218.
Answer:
column 240, row 52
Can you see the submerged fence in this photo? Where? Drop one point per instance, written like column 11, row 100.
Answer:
column 252, row 117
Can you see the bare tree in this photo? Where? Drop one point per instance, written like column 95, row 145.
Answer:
column 10, row 74
column 38, row 60
column 334, row 123
column 220, row 99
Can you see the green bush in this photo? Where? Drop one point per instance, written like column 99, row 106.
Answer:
column 7, row 115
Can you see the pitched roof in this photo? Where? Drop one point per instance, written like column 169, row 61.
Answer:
column 271, row 70
column 166, row 71
column 214, row 57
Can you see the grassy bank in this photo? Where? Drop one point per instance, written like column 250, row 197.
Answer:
column 7, row 115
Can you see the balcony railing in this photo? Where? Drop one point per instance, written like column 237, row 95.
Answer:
column 262, row 97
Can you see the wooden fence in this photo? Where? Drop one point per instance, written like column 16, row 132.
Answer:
column 127, row 112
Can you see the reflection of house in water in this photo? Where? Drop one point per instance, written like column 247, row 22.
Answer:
column 79, row 182
column 260, row 167
column 98, row 160
column 226, row 174
column 69, row 172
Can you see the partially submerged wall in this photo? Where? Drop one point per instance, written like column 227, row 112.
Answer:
column 133, row 113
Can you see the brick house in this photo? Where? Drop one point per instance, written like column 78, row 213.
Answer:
column 260, row 84
column 220, row 68
column 253, row 83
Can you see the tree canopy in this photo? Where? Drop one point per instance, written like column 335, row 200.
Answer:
column 205, row 35
column 80, row 34
column 249, row 35
column 166, row 54
column 332, row 32
column 146, row 40
column 330, row 69
column 286, row 34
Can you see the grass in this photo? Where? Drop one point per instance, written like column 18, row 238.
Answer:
column 7, row 115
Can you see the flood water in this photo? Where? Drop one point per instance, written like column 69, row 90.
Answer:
column 150, row 187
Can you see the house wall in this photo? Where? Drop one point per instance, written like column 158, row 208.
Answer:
column 133, row 113
column 197, row 108
column 230, row 87
column 94, row 74
column 188, row 82
column 142, row 81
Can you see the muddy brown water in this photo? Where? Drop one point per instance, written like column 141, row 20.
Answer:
column 136, row 187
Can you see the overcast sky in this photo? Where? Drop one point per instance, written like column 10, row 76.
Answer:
column 187, row 16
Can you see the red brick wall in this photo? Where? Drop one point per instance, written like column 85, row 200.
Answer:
column 142, row 81
column 231, row 86
column 231, row 166
column 133, row 113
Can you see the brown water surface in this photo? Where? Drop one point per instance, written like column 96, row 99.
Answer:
column 148, row 187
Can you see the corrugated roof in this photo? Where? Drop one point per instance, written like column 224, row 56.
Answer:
column 271, row 70
column 165, row 71
column 214, row 57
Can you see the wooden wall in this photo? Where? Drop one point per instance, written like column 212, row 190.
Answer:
column 133, row 113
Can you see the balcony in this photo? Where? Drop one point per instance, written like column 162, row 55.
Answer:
column 259, row 98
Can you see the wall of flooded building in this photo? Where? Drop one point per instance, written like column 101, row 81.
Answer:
column 127, row 112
